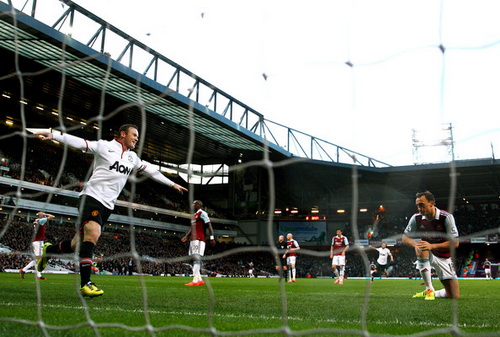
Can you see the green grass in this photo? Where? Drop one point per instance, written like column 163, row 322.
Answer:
column 237, row 306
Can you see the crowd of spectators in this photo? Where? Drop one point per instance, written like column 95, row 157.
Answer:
column 159, row 254
column 162, row 253
column 470, row 219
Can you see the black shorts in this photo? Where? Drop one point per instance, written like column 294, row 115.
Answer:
column 93, row 210
column 381, row 267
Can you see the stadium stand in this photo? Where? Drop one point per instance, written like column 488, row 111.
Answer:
column 244, row 199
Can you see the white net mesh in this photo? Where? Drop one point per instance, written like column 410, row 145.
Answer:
column 359, row 84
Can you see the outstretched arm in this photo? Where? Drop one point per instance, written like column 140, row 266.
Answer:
column 159, row 177
column 73, row 141
column 44, row 135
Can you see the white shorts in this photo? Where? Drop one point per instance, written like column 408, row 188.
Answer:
column 37, row 248
column 487, row 271
column 197, row 247
column 338, row 260
column 444, row 267
column 291, row 260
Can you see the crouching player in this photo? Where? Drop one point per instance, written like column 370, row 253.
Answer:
column 435, row 227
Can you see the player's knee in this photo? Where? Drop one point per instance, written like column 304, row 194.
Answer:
column 91, row 232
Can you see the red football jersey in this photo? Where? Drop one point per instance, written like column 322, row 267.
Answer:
column 292, row 244
column 339, row 244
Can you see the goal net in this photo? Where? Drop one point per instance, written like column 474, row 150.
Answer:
column 244, row 106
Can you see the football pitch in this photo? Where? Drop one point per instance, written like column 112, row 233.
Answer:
column 163, row 306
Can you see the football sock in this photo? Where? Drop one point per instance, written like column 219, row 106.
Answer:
column 342, row 274
column 196, row 272
column 31, row 264
column 336, row 272
column 425, row 271
column 293, row 273
column 86, row 251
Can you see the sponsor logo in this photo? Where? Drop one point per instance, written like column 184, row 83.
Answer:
column 120, row 168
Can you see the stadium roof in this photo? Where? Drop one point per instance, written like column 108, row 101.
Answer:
column 166, row 111
column 62, row 63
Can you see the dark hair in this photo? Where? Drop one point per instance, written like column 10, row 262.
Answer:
column 125, row 128
column 198, row 202
column 428, row 195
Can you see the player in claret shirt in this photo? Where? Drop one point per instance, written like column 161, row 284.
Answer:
column 291, row 256
column 339, row 246
column 487, row 269
column 438, row 234
column 114, row 161
column 200, row 222
column 40, row 227
column 373, row 270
